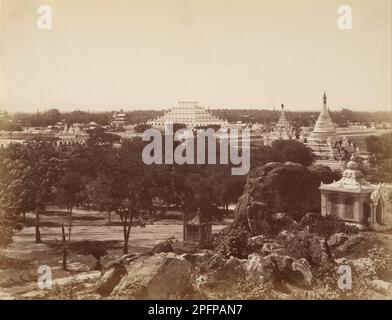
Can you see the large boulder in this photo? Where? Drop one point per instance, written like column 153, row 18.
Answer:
column 158, row 276
column 279, row 187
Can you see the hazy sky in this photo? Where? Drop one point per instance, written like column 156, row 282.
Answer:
column 107, row 54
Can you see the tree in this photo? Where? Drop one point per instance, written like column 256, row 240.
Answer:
column 8, row 224
column 100, row 192
column 69, row 189
column 264, row 155
column 380, row 148
column 141, row 127
column 294, row 151
column 52, row 116
column 31, row 174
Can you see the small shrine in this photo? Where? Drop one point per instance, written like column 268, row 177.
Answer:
column 355, row 200
column 197, row 232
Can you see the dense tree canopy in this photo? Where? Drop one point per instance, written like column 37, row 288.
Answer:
column 380, row 148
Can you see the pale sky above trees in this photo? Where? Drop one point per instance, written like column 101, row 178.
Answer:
column 101, row 54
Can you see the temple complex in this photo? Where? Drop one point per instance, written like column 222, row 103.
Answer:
column 190, row 114
column 357, row 201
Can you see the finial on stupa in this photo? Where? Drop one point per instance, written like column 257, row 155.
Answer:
column 325, row 98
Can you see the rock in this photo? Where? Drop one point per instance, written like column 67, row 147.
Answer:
column 110, row 278
column 342, row 261
column 302, row 274
column 337, row 239
column 297, row 272
column 319, row 251
column 158, row 276
column 234, row 269
column 216, row 262
column 282, row 221
column 348, row 246
column 197, row 258
column 259, row 269
column 257, row 215
column 163, row 246
column 279, row 187
column 310, row 246
column 382, row 287
column 271, row 247
column 286, row 235
column 282, row 263
column 257, row 241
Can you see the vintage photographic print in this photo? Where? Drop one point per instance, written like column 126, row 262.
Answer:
column 195, row 150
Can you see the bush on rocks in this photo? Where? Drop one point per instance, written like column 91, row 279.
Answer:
column 325, row 226
column 233, row 241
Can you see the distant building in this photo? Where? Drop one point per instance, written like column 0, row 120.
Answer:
column 281, row 131
column 190, row 114
column 75, row 134
column 3, row 115
column 118, row 119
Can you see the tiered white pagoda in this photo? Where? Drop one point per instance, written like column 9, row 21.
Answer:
column 323, row 137
column 190, row 114
column 281, row 131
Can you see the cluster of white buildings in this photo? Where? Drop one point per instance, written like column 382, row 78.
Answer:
column 190, row 114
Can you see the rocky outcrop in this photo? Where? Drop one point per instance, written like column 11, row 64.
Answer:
column 310, row 246
column 279, row 187
column 110, row 278
column 348, row 246
column 261, row 269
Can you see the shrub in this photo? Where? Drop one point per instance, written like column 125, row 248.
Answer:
column 234, row 242
column 325, row 226
column 382, row 260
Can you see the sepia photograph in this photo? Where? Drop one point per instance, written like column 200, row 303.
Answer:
column 194, row 150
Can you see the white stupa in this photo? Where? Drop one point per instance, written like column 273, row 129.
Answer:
column 323, row 137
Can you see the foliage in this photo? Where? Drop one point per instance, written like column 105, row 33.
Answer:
column 234, row 242
column 7, row 227
column 380, row 148
column 249, row 290
column 326, row 286
column 325, row 225
column 382, row 260
column 294, row 151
